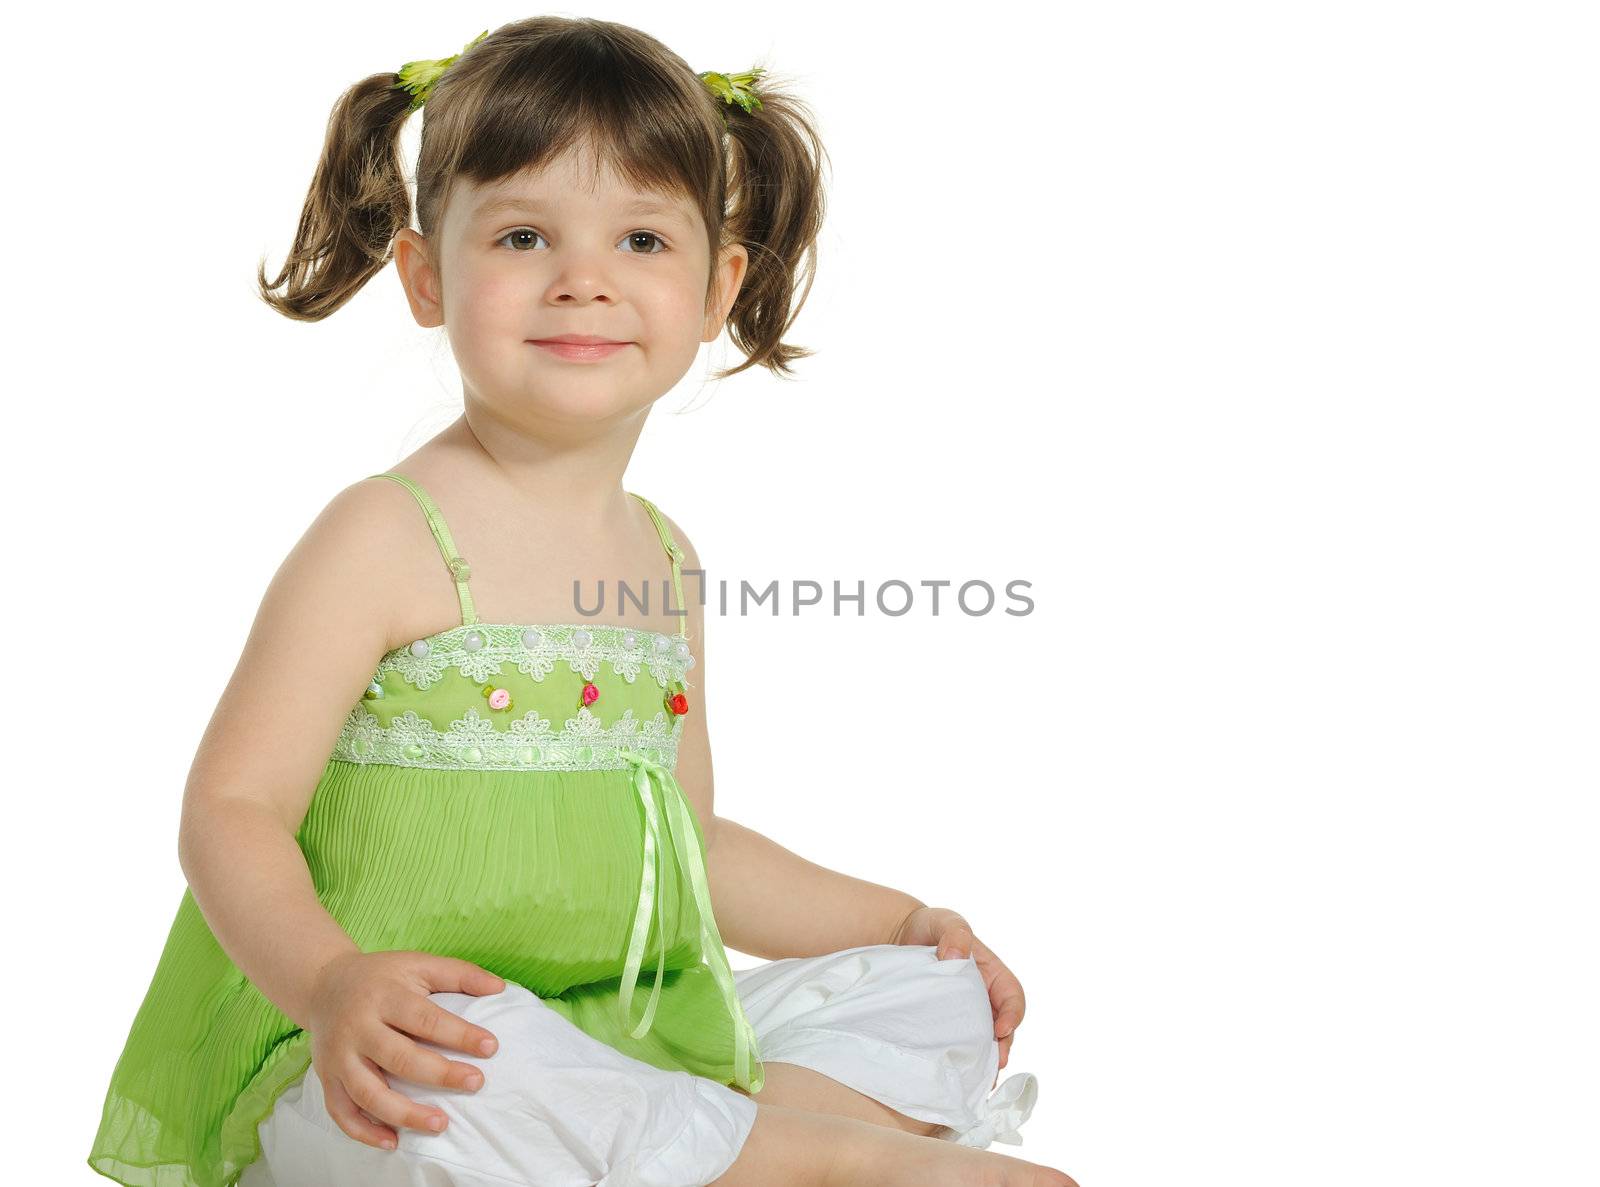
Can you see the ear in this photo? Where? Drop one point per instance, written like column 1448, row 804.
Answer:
column 419, row 277
column 730, row 274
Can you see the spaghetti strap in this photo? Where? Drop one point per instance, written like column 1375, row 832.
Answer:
column 460, row 571
column 676, row 554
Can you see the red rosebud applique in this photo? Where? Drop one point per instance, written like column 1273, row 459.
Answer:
column 591, row 694
column 676, row 701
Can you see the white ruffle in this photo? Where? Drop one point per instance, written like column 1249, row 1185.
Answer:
column 1001, row 1114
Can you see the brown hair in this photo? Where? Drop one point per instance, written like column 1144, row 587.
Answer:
column 525, row 94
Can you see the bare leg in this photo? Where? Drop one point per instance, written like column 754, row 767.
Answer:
column 798, row 1148
column 799, row 1087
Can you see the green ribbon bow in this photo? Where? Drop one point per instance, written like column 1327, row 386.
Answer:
column 671, row 825
column 419, row 77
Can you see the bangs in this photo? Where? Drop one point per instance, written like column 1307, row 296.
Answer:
column 649, row 126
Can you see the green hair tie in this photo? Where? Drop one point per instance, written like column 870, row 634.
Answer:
column 420, row 77
column 737, row 88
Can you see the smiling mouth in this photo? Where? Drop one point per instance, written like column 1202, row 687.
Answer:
column 579, row 351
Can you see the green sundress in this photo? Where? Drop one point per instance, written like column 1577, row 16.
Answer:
column 501, row 793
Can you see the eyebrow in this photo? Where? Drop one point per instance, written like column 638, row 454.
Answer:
column 505, row 204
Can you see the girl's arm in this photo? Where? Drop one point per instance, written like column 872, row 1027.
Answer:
column 317, row 637
column 769, row 902
column 772, row 903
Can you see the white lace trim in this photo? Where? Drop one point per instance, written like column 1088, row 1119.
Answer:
column 527, row 743
column 479, row 649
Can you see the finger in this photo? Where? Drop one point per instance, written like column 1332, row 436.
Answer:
column 1006, row 996
column 399, row 1055
column 454, row 975
column 348, row 1117
column 956, row 941
column 427, row 1019
column 989, row 964
column 369, row 1089
column 1005, row 993
column 1005, row 1049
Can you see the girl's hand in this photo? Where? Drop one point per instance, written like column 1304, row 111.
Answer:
column 953, row 936
column 364, row 1008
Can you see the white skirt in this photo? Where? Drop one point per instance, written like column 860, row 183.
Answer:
column 561, row 1109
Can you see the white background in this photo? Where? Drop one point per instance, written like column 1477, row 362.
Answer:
column 1259, row 338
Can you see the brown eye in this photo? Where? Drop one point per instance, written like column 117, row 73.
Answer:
column 646, row 235
column 521, row 233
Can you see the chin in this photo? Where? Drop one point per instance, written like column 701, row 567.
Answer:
column 577, row 403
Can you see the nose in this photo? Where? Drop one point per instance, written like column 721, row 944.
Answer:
column 580, row 278
column 581, row 294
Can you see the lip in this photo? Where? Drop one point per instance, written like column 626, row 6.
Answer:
column 582, row 340
column 580, row 347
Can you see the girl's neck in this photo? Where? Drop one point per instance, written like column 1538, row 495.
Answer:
column 578, row 481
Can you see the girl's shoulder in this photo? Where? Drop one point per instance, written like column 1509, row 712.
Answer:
column 396, row 528
column 358, row 545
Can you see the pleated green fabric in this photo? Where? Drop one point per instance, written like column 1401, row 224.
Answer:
column 452, row 821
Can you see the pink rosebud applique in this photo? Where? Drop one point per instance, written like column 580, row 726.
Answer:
column 591, row 694
column 499, row 698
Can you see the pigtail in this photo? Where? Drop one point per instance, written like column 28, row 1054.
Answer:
column 357, row 203
column 775, row 209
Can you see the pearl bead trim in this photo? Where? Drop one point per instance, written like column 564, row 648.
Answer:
column 480, row 649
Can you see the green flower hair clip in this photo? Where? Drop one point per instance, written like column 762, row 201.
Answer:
column 419, row 77
column 737, row 88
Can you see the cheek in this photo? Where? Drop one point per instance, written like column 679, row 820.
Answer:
column 492, row 300
column 674, row 306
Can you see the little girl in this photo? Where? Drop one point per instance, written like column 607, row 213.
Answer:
column 452, row 855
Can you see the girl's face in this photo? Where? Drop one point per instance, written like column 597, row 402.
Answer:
column 544, row 254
